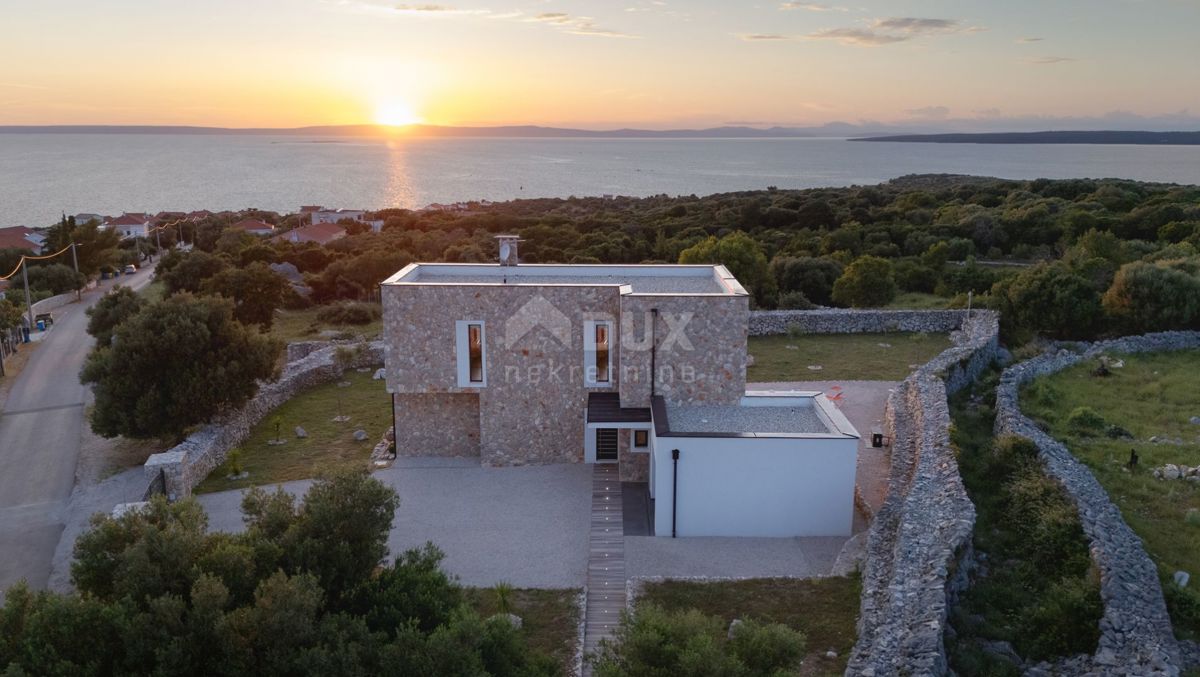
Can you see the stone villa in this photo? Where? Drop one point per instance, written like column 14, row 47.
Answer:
column 643, row 366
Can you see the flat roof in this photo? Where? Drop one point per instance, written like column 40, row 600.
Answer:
column 758, row 414
column 606, row 408
column 668, row 279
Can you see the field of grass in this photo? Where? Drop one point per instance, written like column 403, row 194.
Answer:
column 302, row 325
column 549, row 618
column 824, row 609
column 1152, row 395
column 849, row 357
column 155, row 291
column 330, row 444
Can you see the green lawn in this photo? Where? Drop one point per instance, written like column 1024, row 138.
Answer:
column 1152, row 395
column 155, row 291
column 824, row 609
column 302, row 325
column 549, row 618
column 329, row 444
column 850, row 357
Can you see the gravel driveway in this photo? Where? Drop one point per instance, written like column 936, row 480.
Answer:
column 525, row 525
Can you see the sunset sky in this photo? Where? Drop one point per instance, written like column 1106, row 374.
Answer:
column 599, row 63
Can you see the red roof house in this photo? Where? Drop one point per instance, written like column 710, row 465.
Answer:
column 254, row 227
column 321, row 233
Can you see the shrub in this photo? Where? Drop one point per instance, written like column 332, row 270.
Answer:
column 349, row 313
column 814, row 277
column 652, row 641
column 1183, row 604
column 868, row 282
column 1152, row 297
column 1060, row 624
column 1086, row 421
column 235, row 462
column 795, row 300
column 766, row 649
column 1051, row 299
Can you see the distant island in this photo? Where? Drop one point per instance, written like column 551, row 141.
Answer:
column 843, row 130
column 1102, row 137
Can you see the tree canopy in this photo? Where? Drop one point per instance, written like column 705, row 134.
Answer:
column 868, row 282
column 174, row 364
column 157, row 593
column 118, row 305
column 255, row 289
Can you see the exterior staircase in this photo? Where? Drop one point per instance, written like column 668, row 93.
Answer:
column 606, row 561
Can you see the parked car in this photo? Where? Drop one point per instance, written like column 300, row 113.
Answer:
column 48, row 318
column 130, row 269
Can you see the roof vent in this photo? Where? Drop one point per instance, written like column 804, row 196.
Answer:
column 508, row 249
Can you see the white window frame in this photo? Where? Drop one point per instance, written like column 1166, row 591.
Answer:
column 590, row 374
column 463, row 353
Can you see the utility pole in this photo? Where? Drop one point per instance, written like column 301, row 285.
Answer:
column 158, row 241
column 75, row 261
column 28, row 297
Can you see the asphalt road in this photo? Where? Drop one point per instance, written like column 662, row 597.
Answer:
column 40, row 433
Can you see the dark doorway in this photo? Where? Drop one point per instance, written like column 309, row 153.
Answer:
column 606, row 444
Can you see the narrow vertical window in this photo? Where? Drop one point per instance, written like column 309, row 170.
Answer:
column 471, row 353
column 475, row 354
column 597, row 353
column 601, row 353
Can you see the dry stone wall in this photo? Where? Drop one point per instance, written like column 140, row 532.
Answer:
column 843, row 321
column 188, row 463
column 1136, row 636
column 919, row 545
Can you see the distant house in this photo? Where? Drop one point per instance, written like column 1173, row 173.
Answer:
column 21, row 237
column 321, row 233
column 199, row 214
column 130, row 225
column 452, row 207
column 86, row 217
column 254, row 227
column 339, row 215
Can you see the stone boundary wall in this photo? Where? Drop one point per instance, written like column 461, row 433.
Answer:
column 846, row 321
column 1136, row 636
column 54, row 302
column 189, row 462
column 919, row 545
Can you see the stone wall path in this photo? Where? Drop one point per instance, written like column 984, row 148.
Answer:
column 606, row 561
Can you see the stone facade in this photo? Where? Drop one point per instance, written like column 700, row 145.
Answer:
column 531, row 408
column 438, row 424
column 635, row 466
column 188, row 463
column 919, row 545
column 1136, row 636
column 701, row 356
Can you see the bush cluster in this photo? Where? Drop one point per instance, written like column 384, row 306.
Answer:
column 652, row 641
column 349, row 313
column 302, row 591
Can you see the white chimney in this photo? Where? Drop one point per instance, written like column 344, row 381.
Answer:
column 508, row 249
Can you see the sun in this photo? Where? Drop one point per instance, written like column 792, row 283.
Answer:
column 396, row 113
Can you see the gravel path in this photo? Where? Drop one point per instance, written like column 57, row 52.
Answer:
column 526, row 525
